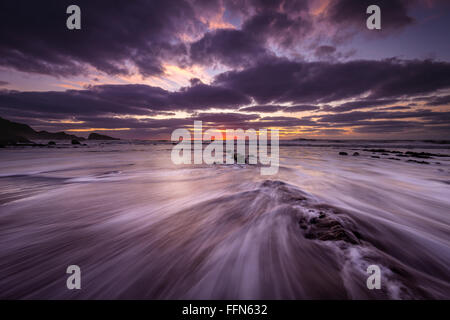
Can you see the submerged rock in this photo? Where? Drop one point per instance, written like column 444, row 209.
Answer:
column 74, row 141
column 420, row 162
column 327, row 228
column 342, row 153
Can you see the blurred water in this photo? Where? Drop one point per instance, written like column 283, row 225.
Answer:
column 141, row 227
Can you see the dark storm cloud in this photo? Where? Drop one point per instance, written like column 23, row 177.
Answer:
column 264, row 109
column 35, row 38
column 355, row 117
column 275, row 108
column 439, row 101
column 229, row 47
column 281, row 25
column 110, row 100
column 141, row 33
column 224, row 118
column 248, row 45
column 395, row 108
column 362, row 104
column 300, row 108
column 280, row 80
column 201, row 96
column 324, row 51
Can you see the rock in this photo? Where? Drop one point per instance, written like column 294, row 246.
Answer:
column 377, row 150
column 328, row 229
column 342, row 153
column 355, row 154
column 376, row 157
column 74, row 141
column 240, row 159
column 420, row 162
column 96, row 136
column 51, row 143
column 15, row 132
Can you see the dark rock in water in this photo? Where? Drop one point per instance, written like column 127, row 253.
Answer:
column 96, row 136
column 420, row 162
column 51, row 143
column 74, row 141
column 376, row 157
column 337, row 233
column 355, row 154
column 342, row 153
column 423, row 155
column 394, row 159
column 241, row 159
column 377, row 150
column 303, row 224
column 328, row 229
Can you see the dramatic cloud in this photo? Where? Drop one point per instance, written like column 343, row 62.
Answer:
column 263, row 109
column 324, row 51
column 249, row 60
column 201, row 96
column 35, row 39
column 224, row 118
column 281, row 80
column 275, row 108
column 229, row 47
column 354, row 118
column 439, row 101
column 300, row 108
column 118, row 100
column 362, row 104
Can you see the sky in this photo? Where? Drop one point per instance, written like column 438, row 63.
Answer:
column 309, row 68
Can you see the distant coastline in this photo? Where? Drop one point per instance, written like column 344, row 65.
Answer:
column 14, row 133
